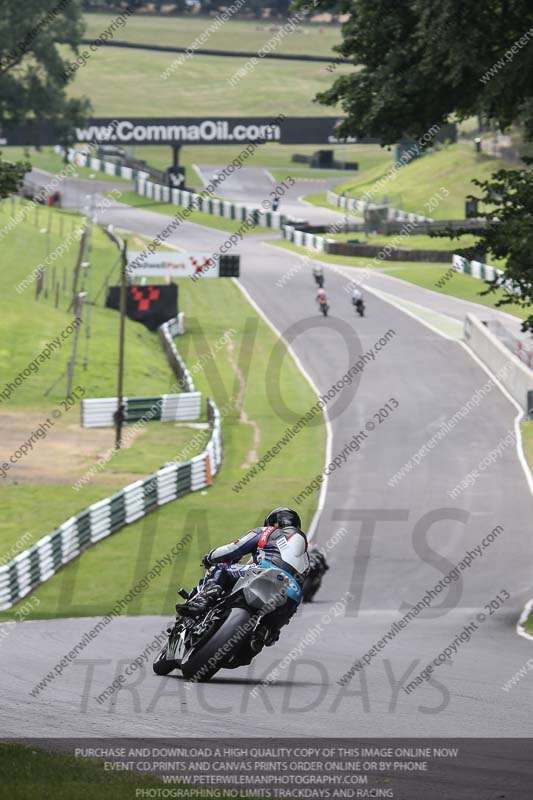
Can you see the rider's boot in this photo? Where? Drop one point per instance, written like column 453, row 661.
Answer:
column 201, row 602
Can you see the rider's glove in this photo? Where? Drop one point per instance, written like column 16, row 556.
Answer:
column 206, row 561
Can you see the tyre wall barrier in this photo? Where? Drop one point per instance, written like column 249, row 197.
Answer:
column 164, row 194
column 209, row 205
column 476, row 269
column 82, row 159
column 312, row 241
column 353, row 204
column 100, row 412
column 167, row 331
column 45, row 558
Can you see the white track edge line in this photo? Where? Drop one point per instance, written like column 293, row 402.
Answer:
column 329, row 436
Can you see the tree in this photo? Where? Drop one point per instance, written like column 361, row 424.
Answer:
column 508, row 197
column 11, row 176
column 32, row 85
column 420, row 63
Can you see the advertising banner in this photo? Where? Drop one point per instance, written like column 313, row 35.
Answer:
column 188, row 130
column 151, row 305
column 175, row 265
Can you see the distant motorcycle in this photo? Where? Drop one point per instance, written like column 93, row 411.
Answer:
column 323, row 304
column 232, row 632
column 313, row 580
column 360, row 307
column 319, row 279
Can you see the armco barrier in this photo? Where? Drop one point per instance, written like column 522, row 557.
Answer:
column 100, row 412
column 514, row 375
column 312, row 241
column 210, row 205
column 353, row 204
column 41, row 561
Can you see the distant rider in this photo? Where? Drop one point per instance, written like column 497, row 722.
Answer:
column 321, row 297
column 357, row 300
column 318, row 273
column 279, row 544
column 357, row 295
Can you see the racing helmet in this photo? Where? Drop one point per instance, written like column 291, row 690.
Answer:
column 283, row 516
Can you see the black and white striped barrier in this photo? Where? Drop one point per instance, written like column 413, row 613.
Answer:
column 353, row 204
column 40, row 562
column 167, row 331
column 100, row 412
column 209, row 205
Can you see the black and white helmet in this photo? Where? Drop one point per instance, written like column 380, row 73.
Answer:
column 284, row 517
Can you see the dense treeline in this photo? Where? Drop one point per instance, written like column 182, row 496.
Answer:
column 253, row 7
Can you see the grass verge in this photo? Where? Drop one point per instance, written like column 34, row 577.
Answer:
column 458, row 285
column 411, row 187
column 27, row 325
column 47, row 159
column 27, row 772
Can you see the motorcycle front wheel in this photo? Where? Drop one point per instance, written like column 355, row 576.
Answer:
column 161, row 666
column 225, row 642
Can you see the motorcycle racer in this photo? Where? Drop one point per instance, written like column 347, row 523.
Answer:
column 279, row 544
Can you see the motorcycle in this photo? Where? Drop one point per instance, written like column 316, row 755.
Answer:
column 313, row 580
column 360, row 307
column 324, row 306
column 232, row 632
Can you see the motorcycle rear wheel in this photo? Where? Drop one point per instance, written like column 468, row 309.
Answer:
column 197, row 667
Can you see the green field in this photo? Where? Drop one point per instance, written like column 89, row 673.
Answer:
column 244, row 35
column 413, row 186
column 198, row 217
column 123, row 82
column 214, row 516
